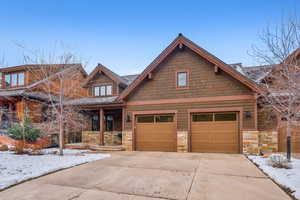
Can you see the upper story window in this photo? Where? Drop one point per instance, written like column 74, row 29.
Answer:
column 14, row 79
column 182, row 79
column 103, row 90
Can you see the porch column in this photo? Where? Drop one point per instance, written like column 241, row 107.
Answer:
column 101, row 120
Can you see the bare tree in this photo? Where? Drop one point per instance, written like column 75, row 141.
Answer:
column 282, row 84
column 58, row 83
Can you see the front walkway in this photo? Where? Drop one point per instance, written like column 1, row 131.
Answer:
column 153, row 175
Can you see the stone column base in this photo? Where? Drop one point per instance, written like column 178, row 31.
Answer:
column 251, row 142
column 182, row 141
column 127, row 141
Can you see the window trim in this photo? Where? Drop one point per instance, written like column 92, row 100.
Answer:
column 100, row 86
column 187, row 79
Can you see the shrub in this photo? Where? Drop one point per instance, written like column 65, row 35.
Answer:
column 279, row 161
column 31, row 134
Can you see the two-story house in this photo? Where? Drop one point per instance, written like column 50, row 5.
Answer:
column 27, row 88
column 185, row 100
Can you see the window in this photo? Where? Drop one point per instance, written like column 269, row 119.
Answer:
column 21, row 78
column 104, row 90
column 109, row 123
column 96, row 91
column 14, row 79
column 182, row 79
column 108, row 90
column 225, row 117
column 203, row 117
column 7, row 80
column 95, row 122
column 146, row 119
column 164, row 118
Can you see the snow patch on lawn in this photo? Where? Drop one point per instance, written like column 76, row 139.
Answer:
column 17, row 168
column 288, row 177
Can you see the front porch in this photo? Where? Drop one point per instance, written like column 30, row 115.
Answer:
column 103, row 127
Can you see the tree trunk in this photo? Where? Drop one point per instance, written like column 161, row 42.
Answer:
column 61, row 136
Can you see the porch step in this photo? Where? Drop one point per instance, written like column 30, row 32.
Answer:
column 106, row 148
column 93, row 147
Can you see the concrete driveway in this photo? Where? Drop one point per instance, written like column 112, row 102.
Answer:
column 153, row 175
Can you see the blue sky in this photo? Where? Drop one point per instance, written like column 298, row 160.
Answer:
column 127, row 35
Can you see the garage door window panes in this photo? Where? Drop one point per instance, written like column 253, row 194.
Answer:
column 205, row 117
column 163, row 118
column 225, row 117
column 145, row 119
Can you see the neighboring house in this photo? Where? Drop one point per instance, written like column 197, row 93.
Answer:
column 26, row 88
column 272, row 128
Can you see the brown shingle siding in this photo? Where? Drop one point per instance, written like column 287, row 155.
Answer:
column 203, row 81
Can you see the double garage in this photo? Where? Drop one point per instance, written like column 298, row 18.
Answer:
column 209, row 132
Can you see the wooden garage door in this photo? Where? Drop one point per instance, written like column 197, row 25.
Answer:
column 155, row 133
column 215, row 132
column 295, row 139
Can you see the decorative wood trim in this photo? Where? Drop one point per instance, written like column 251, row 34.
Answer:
column 187, row 71
column 134, row 113
column 216, row 69
column 240, row 110
column 200, row 51
column 191, row 100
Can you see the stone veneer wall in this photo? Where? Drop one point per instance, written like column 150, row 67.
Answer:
column 255, row 142
column 250, row 142
column 182, row 141
column 127, row 140
column 91, row 137
column 268, row 141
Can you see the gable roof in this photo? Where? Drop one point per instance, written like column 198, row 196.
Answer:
column 59, row 67
column 102, row 69
column 179, row 41
column 25, row 91
column 258, row 73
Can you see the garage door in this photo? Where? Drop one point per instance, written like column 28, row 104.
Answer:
column 295, row 139
column 155, row 133
column 215, row 132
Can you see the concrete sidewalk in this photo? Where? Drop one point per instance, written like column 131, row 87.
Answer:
column 154, row 175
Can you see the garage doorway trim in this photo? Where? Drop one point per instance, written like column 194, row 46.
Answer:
column 224, row 109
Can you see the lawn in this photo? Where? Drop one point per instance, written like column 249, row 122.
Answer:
column 17, row 168
column 289, row 178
